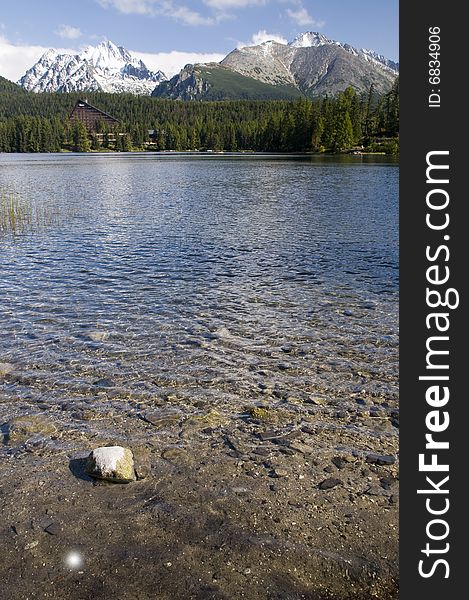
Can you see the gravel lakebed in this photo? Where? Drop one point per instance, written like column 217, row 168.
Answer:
column 290, row 497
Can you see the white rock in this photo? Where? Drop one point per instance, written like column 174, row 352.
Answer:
column 113, row 463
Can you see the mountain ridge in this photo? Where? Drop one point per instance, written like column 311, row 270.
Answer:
column 312, row 64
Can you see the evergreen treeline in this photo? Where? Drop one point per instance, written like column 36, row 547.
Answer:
column 39, row 123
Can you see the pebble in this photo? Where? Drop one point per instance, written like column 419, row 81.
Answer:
column 361, row 401
column 374, row 490
column 83, row 415
column 260, row 451
column 300, row 447
column 387, row 482
column 380, row 459
column 104, row 383
column 277, row 472
column 269, row 435
column 53, row 529
column 315, row 400
column 240, row 490
column 286, row 450
column 159, row 420
column 286, row 439
column 329, row 483
column 339, row 461
column 293, row 399
column 31, row 545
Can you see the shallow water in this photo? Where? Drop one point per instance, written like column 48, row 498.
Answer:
column 194, row 282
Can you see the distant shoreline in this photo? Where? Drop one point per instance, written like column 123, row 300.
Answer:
column 204, row 153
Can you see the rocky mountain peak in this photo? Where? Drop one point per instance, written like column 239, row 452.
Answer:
column 105, row 67
column 308, row 39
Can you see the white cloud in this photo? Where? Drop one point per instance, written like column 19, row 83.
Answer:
column 263, row 36
column 164, row 8
column 302, row 17
column 189, row 16
column 16, row 60
column 138, row 7
column 224, row 4
column 68, row 32
column 172, row 62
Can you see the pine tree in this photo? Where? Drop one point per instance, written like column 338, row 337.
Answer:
column 95, row 143
column 344, row 133
column 81, row 142
column 125, row 143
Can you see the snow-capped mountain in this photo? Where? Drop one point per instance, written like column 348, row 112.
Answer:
column 105, row 67
column 310, row 65
column 314, row 64
column 311, row 39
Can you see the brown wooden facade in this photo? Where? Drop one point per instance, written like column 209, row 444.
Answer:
column 90, row 115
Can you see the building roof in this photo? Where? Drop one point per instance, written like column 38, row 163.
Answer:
column 84, row 104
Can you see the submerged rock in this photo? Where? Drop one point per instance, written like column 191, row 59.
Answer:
column 142, row 462
column 176, row 455
column 161, row 420
column 112, row 463
column 103, row 383
column 97, row 335
column 6, row 369
column 21, row 429
column 212, row 418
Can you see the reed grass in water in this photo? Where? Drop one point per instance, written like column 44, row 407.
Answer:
column 18, row 215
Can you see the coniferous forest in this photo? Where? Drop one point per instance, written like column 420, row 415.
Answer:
column 40, row 123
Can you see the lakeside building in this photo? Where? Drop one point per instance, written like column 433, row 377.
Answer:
column 91, row 116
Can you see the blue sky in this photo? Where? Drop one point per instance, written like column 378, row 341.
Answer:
column 172, row 31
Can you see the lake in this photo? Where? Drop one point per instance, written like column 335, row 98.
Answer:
column 142, row 280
